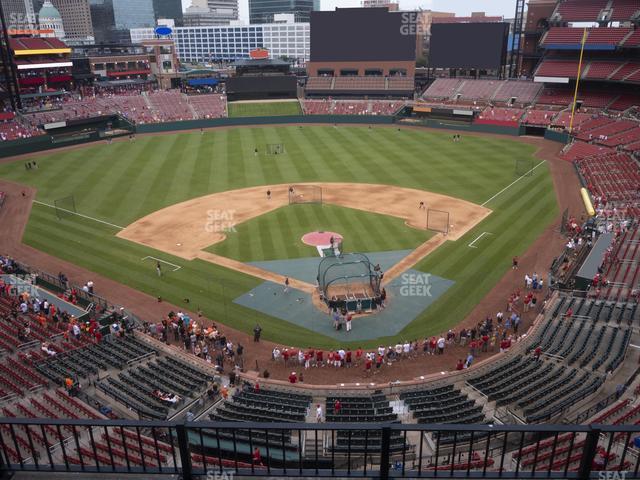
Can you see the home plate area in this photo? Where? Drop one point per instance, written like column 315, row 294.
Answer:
column 408, row 295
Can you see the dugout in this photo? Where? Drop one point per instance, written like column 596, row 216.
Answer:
column 592, row 263
column 349, row 282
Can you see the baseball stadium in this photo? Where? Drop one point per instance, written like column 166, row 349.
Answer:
column 413, row 253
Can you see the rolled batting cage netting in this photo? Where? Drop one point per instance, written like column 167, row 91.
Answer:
column 305, row 194
column 275, row 148
column 65, row 207
column 348, row 276
column 438, row 221
column 524, row 167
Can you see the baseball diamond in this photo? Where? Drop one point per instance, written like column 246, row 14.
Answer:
column 366, row 242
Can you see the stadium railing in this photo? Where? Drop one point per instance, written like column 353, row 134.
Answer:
column 191, row 449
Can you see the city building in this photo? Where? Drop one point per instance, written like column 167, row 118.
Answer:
column 211, row 12
column 262, row 11
column 112, row 19
column 233, row 42
column 168, row 9
column 392, row 5
column 50, row 21
column 18, row 14
column 76, row 19
column 163, row 61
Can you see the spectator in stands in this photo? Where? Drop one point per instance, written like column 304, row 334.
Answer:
column 256, row 457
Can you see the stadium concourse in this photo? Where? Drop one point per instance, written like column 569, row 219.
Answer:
column 537, row 259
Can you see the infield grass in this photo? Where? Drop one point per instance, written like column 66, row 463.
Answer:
column 124, row 181
column 281, row 231
column 264, row 109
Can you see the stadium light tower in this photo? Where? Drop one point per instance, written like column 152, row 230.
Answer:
column 516, row 45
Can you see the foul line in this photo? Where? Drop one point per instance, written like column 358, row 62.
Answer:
column 78, row 214
column 478, row 238
column 512, row 183
column 178, row 267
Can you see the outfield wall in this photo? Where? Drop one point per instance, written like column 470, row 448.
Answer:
column 46, row 142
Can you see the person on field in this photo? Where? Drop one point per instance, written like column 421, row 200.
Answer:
column 286, row 284
column 158, row 269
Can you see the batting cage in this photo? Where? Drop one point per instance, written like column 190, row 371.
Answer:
column 275, row 148
column 65, row 207
column 524, row 167
column 438, row 221
column 305, row 194
column 349, row 282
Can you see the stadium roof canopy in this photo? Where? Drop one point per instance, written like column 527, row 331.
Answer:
column 267, row 62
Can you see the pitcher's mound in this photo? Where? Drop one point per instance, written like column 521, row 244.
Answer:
column 319, row 239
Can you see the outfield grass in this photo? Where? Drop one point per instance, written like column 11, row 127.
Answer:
column 276, row 235
column 264, row 109
column 124, row 181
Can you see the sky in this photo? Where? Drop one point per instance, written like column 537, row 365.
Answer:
column 461, row 8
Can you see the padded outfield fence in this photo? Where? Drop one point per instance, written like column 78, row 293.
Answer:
column 45, row 142
column 336, row 450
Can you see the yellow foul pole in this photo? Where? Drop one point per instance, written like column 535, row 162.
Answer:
column 575, row 93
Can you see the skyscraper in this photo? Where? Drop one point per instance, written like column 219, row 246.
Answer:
column 76, row 18
column 211, row 12
column 112, row 19
column 262, row 11
column 18, row 14
column 168, row 9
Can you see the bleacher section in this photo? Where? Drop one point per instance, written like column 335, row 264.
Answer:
column 136, row 386
column 569, row 37
column 622, row 270
column 360, row 85
column 351, row 107
column 580, row 10
column 369, row 409
column 622, row 70
column 444, row 405
column 577, row 352
column 499, row 91
column 252, row 405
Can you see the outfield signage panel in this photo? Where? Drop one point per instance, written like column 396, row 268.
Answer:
column 551, row 79
column 49, row 126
